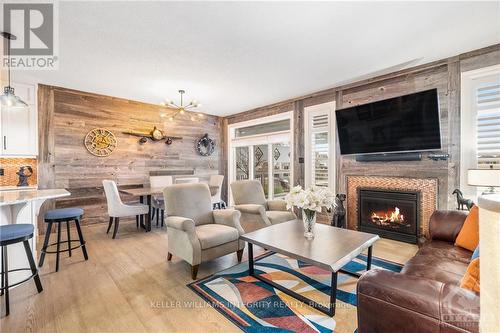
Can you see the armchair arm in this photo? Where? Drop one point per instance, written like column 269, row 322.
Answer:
column 446, row 224
column 251, row 209
column 276, row 204
column 411, row 301
column 180, row 223
column 229, row 217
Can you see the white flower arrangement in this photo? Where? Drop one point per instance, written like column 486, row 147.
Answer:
column 313, row 199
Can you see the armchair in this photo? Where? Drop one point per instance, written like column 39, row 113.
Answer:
column 196, row 233
column 256, row 211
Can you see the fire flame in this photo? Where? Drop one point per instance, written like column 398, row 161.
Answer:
column 394, row 216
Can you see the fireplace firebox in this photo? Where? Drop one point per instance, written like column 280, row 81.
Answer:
column 389, row 213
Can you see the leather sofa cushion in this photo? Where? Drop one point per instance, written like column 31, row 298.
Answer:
column 447, row 250
column 211, row 235
column 276, row 216
column 440, row 261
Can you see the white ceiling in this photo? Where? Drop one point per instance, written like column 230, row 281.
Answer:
column 235, row 56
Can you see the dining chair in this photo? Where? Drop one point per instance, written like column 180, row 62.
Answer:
column 187, row 180
column 117, row 209
column 256, row 211
column 157, row 202
column 196, row 233
column 216, row 182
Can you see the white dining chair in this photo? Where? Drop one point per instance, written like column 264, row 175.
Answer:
column 117, row 209
column 157, row 201
column 216, row 181
column 187, row 180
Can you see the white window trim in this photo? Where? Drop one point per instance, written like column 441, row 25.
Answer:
column 468, row 158
column 253, row 140
column 332, row 132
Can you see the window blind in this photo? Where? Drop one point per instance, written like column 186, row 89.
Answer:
column 488, row 124
column 319, row 149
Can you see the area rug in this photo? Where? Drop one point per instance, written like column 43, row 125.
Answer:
column 255, row 306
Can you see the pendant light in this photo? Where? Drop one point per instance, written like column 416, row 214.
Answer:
column 9, row 98
column 181, row 108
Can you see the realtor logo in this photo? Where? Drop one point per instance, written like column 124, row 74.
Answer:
column 34, row 25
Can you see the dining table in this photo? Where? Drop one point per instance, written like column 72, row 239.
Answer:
column 145, row 195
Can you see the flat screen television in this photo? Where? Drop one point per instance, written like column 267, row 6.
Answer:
column 401, row 124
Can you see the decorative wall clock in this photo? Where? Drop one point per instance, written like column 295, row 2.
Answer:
column 205, row 146
column 100, row 142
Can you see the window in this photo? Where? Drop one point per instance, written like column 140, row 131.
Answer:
column 260, row 149
column 271, row 127
column 488, row 122
column 320, row 145
column 480, row 105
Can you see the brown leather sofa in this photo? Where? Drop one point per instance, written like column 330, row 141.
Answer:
column 426, row 295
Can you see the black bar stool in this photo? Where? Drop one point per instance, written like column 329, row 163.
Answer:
column 58, row 216
column 11, row 234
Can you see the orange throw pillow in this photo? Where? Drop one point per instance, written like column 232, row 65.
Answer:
column 468, row 237
column 471, row 278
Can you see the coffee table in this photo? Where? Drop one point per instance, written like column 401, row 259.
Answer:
column 331, row 249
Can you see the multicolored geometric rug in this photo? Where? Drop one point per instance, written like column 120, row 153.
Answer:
column 254, row 306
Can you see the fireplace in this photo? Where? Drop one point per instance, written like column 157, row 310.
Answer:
column 389, row 213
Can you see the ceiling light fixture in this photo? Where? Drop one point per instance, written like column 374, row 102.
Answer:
column 9, row 98
column 181, row 108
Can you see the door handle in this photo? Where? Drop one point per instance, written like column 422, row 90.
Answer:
column 5, row 142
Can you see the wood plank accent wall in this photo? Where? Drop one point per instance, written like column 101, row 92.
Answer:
column 65, row 117
column 443, row 75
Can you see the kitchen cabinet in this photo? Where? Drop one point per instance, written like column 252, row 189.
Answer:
column 18, row 126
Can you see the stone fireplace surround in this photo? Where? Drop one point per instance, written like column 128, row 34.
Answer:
column 428, row 188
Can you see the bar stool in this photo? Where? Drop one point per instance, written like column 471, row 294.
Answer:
column 58, row 216
column 11, row 234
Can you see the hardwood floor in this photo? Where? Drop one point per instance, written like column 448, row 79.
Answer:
column 127, row 285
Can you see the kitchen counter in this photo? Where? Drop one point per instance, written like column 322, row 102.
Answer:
column 23, row 206
column 18, row 188
column 22, row 196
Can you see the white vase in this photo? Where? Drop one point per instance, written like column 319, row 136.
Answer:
column 309, row 219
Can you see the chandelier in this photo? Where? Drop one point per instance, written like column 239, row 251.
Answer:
column 9, row 98
column 181, row 108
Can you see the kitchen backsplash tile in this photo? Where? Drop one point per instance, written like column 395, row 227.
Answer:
column 11, row 166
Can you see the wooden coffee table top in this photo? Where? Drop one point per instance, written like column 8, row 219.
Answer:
column 331, row 249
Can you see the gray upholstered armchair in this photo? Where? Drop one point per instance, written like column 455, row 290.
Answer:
column 256, row 211
column 196, row 233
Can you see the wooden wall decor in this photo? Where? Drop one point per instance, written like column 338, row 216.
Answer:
column 100, row 142
column 444, row 75
column 155, row 134
column 205, row 146
column 65, row 116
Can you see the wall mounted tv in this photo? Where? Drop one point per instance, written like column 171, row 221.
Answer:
column 402, row 124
